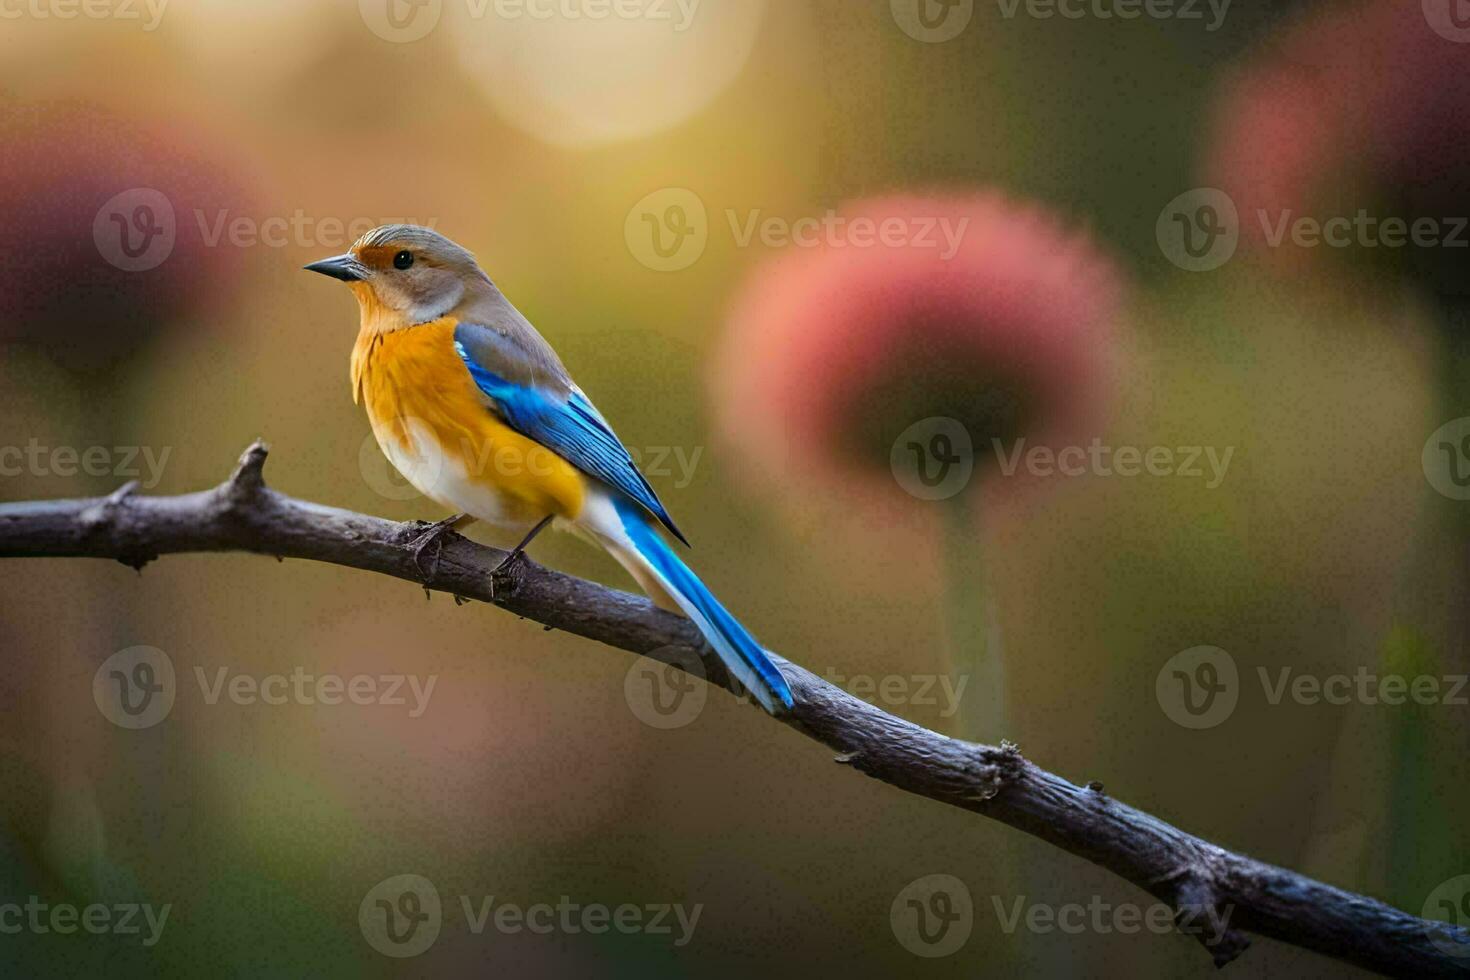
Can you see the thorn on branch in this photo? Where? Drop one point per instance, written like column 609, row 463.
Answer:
column 105, row 511
column 248, row 480
column 122, row 493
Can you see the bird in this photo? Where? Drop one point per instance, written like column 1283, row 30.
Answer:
column 476, row 410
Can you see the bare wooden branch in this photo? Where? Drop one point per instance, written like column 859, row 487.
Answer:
column 1219, row 896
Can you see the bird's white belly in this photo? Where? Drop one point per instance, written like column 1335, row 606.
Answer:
column 444, row 477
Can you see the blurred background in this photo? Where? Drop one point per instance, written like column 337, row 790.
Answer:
column 657, row 186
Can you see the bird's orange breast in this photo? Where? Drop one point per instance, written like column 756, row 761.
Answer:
column 441, row 433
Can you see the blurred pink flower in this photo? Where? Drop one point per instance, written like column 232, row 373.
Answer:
column 1277, row 126
column 68, row 288
column 833, row 351
column 1360, row 108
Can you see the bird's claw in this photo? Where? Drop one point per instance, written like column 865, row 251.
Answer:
column 432, row 535
column 505, row 571
column 507, row 563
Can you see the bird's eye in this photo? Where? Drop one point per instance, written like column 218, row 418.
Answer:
column 403, row 259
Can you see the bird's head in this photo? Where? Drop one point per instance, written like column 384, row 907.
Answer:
column 404, row 275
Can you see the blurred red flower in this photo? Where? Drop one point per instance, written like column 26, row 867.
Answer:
column 968, row 308
column 103, row 249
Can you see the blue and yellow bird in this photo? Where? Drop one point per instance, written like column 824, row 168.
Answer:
column 475, row 409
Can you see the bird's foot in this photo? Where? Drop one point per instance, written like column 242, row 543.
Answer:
column 506, row 571
column 509, row 562
column 506, row 568
column 433, row 535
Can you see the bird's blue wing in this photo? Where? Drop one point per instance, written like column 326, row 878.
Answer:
column 565, row 422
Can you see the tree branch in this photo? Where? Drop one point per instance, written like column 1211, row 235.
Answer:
column 1218, row 895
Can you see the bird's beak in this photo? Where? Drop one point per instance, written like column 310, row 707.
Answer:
column 344, row 267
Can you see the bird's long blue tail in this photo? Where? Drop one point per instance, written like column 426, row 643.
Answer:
column 741, row 654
